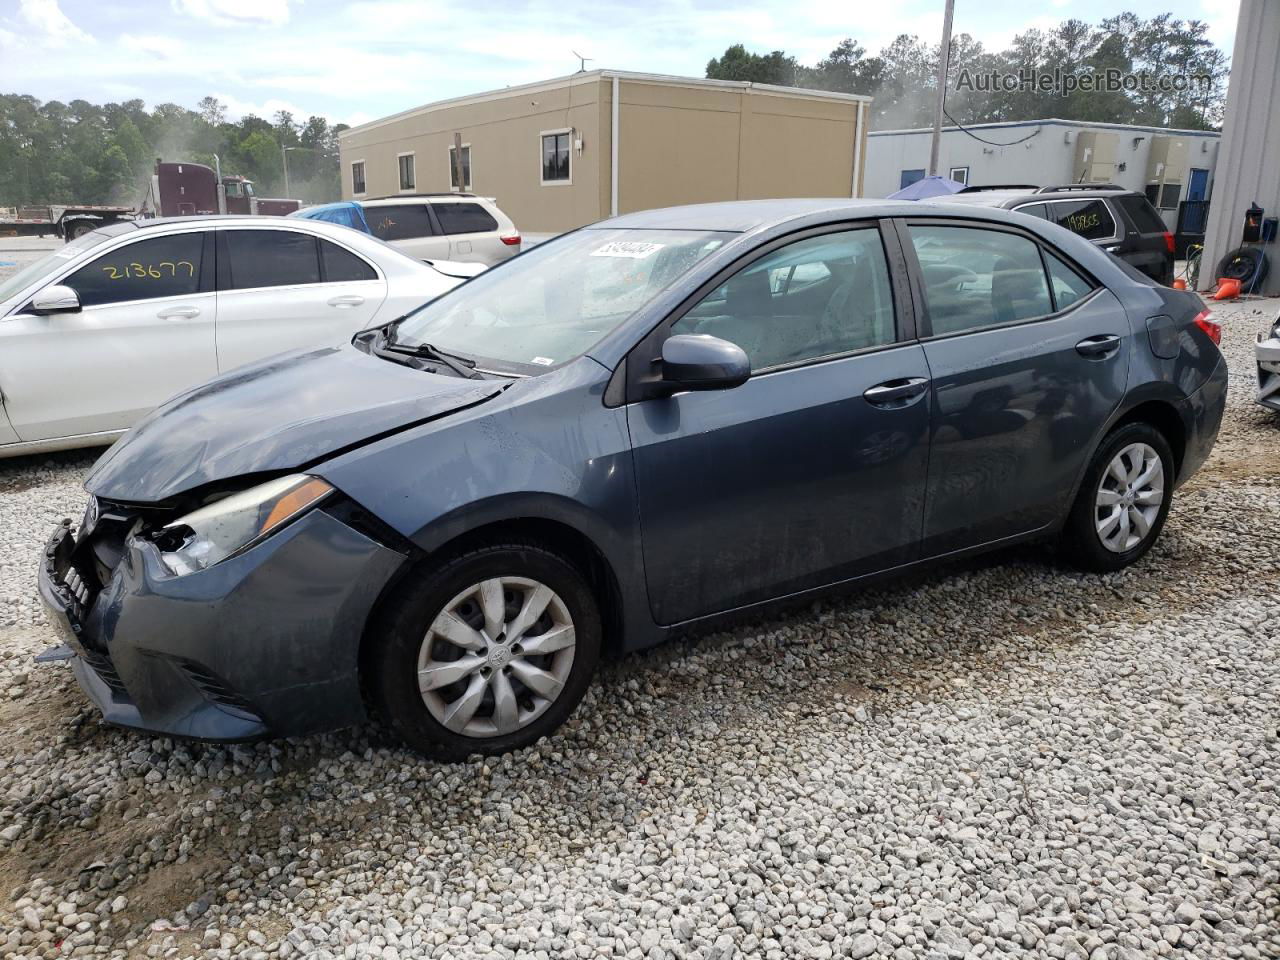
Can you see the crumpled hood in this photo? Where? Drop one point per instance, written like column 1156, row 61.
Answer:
column 280, row 414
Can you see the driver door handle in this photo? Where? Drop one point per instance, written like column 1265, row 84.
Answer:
column 1098, row 347
column 896, row 393
column 179, row 313
column 346, row 300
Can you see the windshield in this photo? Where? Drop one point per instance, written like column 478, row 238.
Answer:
column 554, row 302
column 49, row 264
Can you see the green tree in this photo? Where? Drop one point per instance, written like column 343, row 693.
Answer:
column 737, row 64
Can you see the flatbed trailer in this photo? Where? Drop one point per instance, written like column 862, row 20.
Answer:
column 67, row 221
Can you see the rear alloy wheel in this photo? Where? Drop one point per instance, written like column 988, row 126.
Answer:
column 1123, row 501
column 486, row 653
column 1129, row 497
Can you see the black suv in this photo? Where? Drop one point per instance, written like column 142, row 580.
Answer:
column 1120, row 221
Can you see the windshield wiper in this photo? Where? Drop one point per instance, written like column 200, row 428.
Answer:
column 462, row 366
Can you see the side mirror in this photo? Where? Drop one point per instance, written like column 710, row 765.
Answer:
column 696, row 361
column 55, row 299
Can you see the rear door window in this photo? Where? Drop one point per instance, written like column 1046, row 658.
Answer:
column 464, row 218
column 270, row 258
column 407, row 221
column 974, row 277
column 145, row 270
column 342, row 265
column 1144, row 217
column 1089, row 218
column 1068, row 286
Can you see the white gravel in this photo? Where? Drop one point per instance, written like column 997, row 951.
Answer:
column 998, row 757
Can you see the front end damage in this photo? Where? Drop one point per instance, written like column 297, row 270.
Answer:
column 266, row 641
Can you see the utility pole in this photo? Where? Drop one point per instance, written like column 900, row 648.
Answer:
column 284, row 156
column 944, row 58
column 458, row 170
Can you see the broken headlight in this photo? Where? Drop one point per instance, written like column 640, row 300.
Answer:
column 235, row 523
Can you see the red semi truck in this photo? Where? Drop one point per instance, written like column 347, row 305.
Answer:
column 192, row 189
column 175, row 190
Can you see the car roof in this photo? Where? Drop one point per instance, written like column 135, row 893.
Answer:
column 425, row 198
column 1005, row 198
column 746, row 216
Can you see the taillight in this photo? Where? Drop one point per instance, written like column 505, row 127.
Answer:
column 1168, row 241
column 512, row 241
column 1204, row 320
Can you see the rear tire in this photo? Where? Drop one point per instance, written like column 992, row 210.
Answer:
column 1123, row 502
column 460, row 665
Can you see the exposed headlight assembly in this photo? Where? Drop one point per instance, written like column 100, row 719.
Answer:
column 235, row 523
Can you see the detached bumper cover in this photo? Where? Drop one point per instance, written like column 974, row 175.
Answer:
column 263, row 643
column 1268, row 351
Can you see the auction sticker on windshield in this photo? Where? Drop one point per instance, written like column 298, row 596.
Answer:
column 628, row 249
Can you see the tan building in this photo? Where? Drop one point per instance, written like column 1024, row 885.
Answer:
column 559, row 154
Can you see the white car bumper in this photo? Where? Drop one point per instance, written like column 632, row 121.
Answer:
column 1268, row 351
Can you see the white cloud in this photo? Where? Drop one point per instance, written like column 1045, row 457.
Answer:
column 52, row 26
column 267, row 109
column 225, row 13
column 163, row 48
column 1221, row 15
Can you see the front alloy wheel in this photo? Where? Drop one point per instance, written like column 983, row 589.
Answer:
column 483, row 652
column 496, row 657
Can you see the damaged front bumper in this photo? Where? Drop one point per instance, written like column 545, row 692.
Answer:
column 1268, row 353
column 265, row 642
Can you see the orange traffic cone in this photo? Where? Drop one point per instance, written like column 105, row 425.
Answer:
column 1228, row 289
column 1179, row 284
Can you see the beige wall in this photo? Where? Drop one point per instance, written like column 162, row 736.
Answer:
column 690, row 145
column 677, row 144
column 506, row 160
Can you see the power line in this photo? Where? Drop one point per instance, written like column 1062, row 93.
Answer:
column 990, row 143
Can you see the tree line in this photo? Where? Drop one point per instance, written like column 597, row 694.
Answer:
column 903, row 76
column 80, row 152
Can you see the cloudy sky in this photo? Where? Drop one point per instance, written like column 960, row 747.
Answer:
column 352, row 60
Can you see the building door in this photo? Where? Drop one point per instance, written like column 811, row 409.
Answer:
column 1198, row 186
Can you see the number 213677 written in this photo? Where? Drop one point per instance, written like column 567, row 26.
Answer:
column 154, row 271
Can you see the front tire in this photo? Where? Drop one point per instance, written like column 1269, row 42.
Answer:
column 1123, row 501
column 485, row 653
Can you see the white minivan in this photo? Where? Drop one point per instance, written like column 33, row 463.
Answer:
column 460, row 227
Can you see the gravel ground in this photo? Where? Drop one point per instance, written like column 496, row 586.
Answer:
column 997, row 757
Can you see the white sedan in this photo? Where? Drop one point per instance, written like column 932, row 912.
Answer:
column 95, row 335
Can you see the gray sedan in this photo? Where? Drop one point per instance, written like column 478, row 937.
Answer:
column 635, row 429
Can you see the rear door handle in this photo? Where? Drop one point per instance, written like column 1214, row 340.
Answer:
column 346, row 300
column 1101, row 346
column 179, row 313
column 896, row 393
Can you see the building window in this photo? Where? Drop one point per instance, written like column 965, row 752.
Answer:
column 1169, row 194
column 909, row 177
column 466, row 169
column 555, row 156
column 407, row 178
column 959, row 175
column 357, row 177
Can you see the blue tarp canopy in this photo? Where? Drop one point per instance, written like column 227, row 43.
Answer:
column 926, row 188
column 347, row 213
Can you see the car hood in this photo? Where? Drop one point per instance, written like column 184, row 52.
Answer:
column 284, row 413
